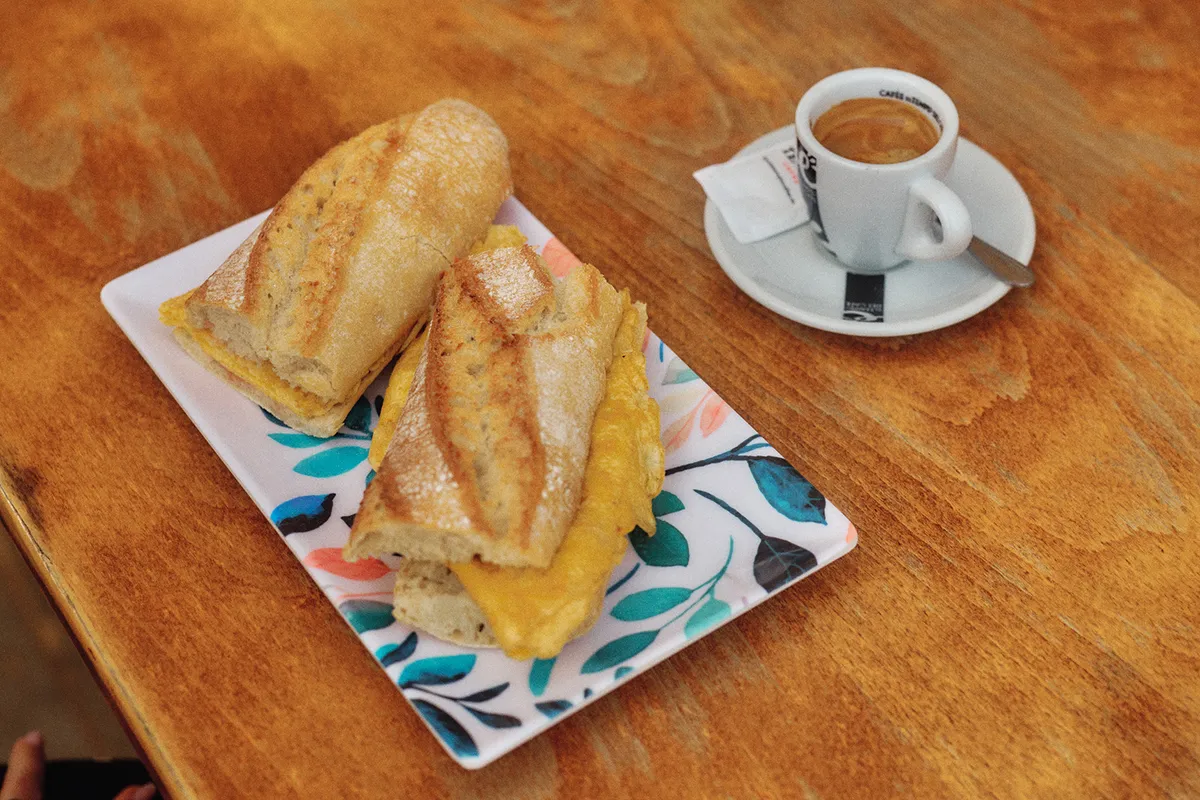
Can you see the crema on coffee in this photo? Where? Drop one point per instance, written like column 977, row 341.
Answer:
column 876, row 130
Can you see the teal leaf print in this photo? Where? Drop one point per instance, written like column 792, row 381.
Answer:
column 621, row 672
column 437, row 670
column 370, row 477
column 359, row 418
column 666, row 503
column 650, row 603
column 332, row 462
column 493, row 720
column 666, row 548
column 273, row 418
column 448, row 728
column 483, row 695
column 391, row 654
column 624, row 580
column 678, row 372
column 705, row 617
column 552, row 708
column 302, row 514
column 539, row 675
column 618, row 650
column 296, row 441
column 366, row 615
column 778, row 562
column 787, row 490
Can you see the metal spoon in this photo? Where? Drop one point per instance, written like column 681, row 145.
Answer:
column 1002, row 265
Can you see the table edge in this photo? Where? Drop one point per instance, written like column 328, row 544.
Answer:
column 15, row 519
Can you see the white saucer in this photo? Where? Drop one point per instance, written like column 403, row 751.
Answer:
column 792, row 276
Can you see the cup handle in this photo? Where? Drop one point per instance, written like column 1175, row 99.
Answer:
column 917, row 240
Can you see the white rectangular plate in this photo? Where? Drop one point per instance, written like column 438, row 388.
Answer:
column 736, row 523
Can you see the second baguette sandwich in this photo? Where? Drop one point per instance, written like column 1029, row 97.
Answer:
column 316, row 302
column 527, row 448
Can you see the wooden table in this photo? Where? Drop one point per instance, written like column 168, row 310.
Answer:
column 1021, row 616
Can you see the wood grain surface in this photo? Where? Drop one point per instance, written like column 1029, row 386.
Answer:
column 1020, row 619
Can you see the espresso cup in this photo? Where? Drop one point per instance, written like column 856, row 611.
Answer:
column 873, row 216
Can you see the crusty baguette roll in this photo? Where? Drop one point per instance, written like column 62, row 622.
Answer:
column 488, row 457
column 316, row 302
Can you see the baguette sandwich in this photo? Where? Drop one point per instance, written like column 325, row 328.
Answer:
column 339, row 278
column 527, row 448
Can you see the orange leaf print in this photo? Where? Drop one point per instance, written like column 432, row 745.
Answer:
column 679, row 431
column 714, row 414
column 559, row 258
column 851, row 534
column 330, row 560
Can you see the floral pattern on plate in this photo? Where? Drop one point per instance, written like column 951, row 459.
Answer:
column 735, row 524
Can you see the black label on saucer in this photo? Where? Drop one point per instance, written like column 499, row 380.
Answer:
column 864, row 298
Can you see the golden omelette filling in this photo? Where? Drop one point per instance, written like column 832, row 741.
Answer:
column 262, row 375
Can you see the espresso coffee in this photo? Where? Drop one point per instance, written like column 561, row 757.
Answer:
column 876, row 130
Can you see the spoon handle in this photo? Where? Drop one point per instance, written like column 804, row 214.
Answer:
column 1003, row 266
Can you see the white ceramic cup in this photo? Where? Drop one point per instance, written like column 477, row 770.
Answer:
column 872, row 217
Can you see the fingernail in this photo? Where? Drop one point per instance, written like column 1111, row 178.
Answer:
column 145, row 793
column 34, row 739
